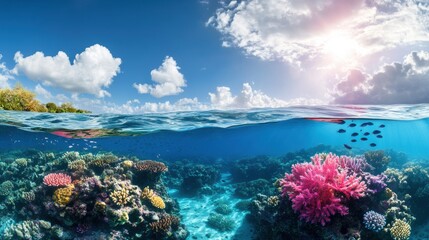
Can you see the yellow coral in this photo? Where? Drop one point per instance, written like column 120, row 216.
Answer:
column 100, row 206
column 77, row 165
column 120, row 197
column 62, row 196
column 400, row 230
column 154, row 199
column 273, row 201
column 127, row 164
column 22, row 162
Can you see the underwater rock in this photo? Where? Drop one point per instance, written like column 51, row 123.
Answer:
column 220, row 222
column 255, row 168
column 193, row 179
column 248, row 189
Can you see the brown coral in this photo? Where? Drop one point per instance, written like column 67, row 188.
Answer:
column 154, row 199
column 163, row 225
column 120, row 196
column 150, row 166
column 28, row 196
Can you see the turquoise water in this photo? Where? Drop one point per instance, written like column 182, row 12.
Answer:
column 223, row 168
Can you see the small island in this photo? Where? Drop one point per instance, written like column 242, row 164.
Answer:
column 21, row 99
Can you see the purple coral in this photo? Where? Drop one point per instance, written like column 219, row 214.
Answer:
column 374, row 221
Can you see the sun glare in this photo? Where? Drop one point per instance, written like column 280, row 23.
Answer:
column 341, row 47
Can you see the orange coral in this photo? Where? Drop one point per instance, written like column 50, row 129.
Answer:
column 154, row 199
column 62, row 196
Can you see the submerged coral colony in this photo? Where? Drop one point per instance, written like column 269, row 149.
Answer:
column 68, row 195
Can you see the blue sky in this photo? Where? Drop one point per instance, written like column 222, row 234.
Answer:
column 246, row 54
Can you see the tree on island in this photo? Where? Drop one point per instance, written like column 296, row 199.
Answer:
column 21, row 99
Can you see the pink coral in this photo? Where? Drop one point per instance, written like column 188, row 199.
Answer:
column 320, row 189
column 57, row 179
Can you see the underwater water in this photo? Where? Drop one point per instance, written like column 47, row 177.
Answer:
column 337, row 172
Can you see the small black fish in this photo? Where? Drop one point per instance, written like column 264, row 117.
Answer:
column 223, row 181
column 366, row 134
column 364, row 124
column 352, row 125
column 355, row 134
column 347, row 146
column 364, row 139
column 376, row 132
column 379, row 136
column 341, row 131
column 370, row 123
column 341, row 122
column 372, row 144
column 353, row 140
column 382, row 126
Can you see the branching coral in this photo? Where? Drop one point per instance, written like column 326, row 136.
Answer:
column 62, row 196
column 120, row 197
column 77, row 165
column 57, row 179
column 163, row 225
column 319, row 190
column 154, row 199
column 28, row 196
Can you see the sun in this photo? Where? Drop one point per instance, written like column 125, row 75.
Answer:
column 341, row 46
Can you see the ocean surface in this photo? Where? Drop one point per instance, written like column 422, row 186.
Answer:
column 217, row 174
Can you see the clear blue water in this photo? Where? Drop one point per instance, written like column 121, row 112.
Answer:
column 219, row 141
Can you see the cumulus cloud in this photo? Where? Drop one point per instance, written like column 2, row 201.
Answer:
column 169, row 81
column 222, row 99
column 42, row 92
column 298, row 30
column 396, row 83
column 5, row 75
column 91, row 71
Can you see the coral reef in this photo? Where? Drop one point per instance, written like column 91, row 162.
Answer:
column 220, row 222
column 248, row 189
column 254, row 168
column 84, row 196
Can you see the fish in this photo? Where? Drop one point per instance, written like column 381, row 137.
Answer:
column 355, row 134
column 372, row 144
column 379, row 136
column 353, row 140
column 376, row 132
column 347, row 146
column 366, row 134
column 352, row 125
column 364, row 139
column 341, row 131
column 370, row 124
column 382, row 126
column 364, row 124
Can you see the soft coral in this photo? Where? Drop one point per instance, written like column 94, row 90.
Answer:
column 319, row 189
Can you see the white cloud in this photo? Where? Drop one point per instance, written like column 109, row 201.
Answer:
column 396, row 83
column 299, row 30
column 42, row 93
column 91, row 71
column 250, row 98
column 169, row 81
column 5, row 75
column 222, row 99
